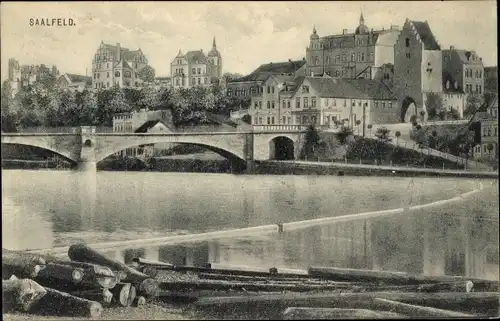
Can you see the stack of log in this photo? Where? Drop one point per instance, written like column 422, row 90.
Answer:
column 79, row 287
column 89, row 281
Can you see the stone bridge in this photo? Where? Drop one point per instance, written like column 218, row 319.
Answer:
column 86, row 147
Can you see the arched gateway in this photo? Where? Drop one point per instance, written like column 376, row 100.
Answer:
column 408, row 109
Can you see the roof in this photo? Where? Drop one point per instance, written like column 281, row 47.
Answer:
column 426, row 35
column 196, row 57
column 125, row 52
column 265, row 70
column 350, row 88
column 79, row 78
column 463, row 54
column 454, row 86
column 148, row 125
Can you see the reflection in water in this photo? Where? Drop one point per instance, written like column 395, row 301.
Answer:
column 41, row 209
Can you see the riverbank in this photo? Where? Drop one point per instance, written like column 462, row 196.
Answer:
column 340, row 169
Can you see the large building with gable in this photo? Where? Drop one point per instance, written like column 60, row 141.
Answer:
column 357, row 54
column 194, row 68
column 116, row 65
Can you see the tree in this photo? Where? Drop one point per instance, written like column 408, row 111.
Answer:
column 247, row 119
column 311, row 141
column 413, row 119
column 472, row 102
column 453, row 114
column 433, row 104
column 228, row 77
column 382, row 133
column 147, row 74
column 398, row 134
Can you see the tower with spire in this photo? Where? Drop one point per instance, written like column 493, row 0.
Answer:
column 215, row 58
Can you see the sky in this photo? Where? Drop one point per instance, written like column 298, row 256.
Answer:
column 248, row 34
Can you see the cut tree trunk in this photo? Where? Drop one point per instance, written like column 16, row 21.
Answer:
column 103, row 296
column 387, row 277
column 298, row 313
column 140, row 300
column 124, row 294
column 95, row 275
column 416, row 310
column 474, row 302
column 20, row 295
column 21, row 264
column 245, row 278
column 145, row 262
column 145, row 284
column 57, row 303
column 235, row 271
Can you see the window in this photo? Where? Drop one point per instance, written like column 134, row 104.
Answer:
column 288, row 104
column 337, row 59
column 297, row 102
column 272, row 89
column 353, row 57
column 177, row 83
column 284, row 120
column 205, row 80
column 376, row 104
column 359, row 57
column 199, row 71
column 306, row 102
column 305, row 89
column 345, row 102
column 107, row 74
column 268, row 120
column 193, row 71
column 199, row 81
column 289, row 118
column 337, row 73
column 372, row 55
column 284, row 104
column 107, row 84
column 256, row 105
column 272, row 104
column 408, row 55
column 183, row 81
column 193, row 81
column 107, row 66
column 353, row 103
column 272, row 120
column 362, row 56
column 260, row 105
column 407, row 42
column 390, row 104
column 313, row 102
column 268, row 105
column 383, row 104
column 344, row 57
column 334, row 102
column 117, row 74
column 268, row 89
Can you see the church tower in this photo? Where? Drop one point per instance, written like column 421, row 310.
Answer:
column 215, row 58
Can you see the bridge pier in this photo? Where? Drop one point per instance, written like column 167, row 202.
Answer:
column 87, row 166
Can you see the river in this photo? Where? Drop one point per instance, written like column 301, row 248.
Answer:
column 44, row 209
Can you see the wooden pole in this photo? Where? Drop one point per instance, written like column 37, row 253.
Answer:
column 20, row 294
column 57, row 303
column 417, row 311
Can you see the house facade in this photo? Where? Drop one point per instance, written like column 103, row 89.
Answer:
column 454, row 97
column 466, row 67
column 265, row 105
column 74, row 82
column 117, row 66
column 489, row 133
column 194, row 68
column 351, row 55
column 27, row 75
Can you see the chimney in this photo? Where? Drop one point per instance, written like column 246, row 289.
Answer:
column 452, row 47
column 344, row 31
column 118, row 51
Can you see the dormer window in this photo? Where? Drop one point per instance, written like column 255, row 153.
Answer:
column 447, row 84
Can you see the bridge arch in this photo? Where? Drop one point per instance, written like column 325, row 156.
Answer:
column 66, row 156
column 408, row 109
column 282, row 148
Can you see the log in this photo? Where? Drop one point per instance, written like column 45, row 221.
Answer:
column 146, row 285
column 57, row 303
column 124, row 294
column 21, row 294
column 103, row 296
column 139, row 300
column 141, row 261
column 24, row 265
column 245, row 278
column 95, row 275
column 299, row 313
column 59, row 275
column 240, row 286
column 387, row 277
column 271, row 271
column 236, row 271
column 417, row 311
column 474, row 302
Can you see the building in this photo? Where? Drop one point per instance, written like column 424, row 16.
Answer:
column 116, row 65
column 194, row 68
column 74, row 82
column 466, row 67
column 323, row 101
column 351, row 55
column 249, row 86
column 27, row 75
column 326, row 101
column 489, row 133
column 491, row 79
column 417, row 68
column 143, row 121
column 454, row 97
column 162, row 82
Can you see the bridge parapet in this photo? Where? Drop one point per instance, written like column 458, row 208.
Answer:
column 279, row 128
